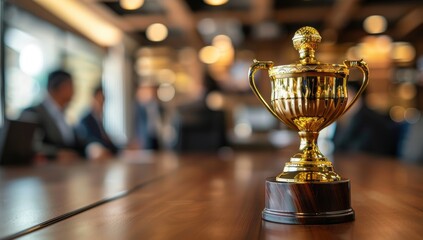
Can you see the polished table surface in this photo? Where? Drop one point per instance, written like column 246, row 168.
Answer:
column 200, row 196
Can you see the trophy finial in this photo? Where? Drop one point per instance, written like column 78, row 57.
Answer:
column 306, row 41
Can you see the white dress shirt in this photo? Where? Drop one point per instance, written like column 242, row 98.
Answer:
column 65, row 130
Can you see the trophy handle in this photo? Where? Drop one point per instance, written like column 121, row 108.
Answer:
column 362, row 65
column 260, row 65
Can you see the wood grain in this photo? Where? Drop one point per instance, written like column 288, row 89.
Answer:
column 210, row 197
column 31, row 195
column 307, row 203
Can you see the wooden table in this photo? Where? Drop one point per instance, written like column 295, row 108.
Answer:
column 200, row 196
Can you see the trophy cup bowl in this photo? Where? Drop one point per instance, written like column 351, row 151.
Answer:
column 308, row 96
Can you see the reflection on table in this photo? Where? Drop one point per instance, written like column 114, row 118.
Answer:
column 201, row 196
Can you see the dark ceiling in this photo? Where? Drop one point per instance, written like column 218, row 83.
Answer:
column 344, row 17
column 261, row 22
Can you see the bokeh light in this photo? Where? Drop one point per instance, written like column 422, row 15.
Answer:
column 31, row 60
column 215, row 100
column 209, row 54
column 157, row 32
column 412, row 115
column 375, row 24
column 223, row 44
column 215, row 2
column 131, row 4
column 407, row 91
column 403, row 52
column 166, row 92
column 243, row 130
column 397, row 113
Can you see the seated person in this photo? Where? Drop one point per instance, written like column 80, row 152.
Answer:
column 90, row 128
column 411, row 148
column 148, row 117
column 362, row 129
column 55, row 138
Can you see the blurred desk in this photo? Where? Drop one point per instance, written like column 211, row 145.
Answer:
column 204, row 196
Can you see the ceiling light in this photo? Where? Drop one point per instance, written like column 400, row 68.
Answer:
column 131, row 4
column 215, row 2
column 87, row 23
column 157, row 32
column 375, row 24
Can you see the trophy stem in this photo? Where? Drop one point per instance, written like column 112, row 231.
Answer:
column 309, row 151
column 309, row 164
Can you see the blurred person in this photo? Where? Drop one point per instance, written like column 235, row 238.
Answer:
column 148, row 117
column 91, row 129
column 411, row 148
column 55, row 137
column 362, row 129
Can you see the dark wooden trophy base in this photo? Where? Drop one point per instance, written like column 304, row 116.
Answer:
column 308, row 203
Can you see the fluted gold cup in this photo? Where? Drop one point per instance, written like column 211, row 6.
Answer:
column 308, row 96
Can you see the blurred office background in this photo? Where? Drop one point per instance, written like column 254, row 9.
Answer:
column 193, row 56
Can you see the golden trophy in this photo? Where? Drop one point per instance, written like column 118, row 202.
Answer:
column 308, row 96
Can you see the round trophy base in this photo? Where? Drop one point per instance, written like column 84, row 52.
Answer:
column 308, row 203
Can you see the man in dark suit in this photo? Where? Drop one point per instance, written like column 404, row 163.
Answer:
column 55, row 138
column 148, row 117
column 99, row 144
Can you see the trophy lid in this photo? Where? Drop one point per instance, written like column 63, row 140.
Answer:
column 306, row 41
